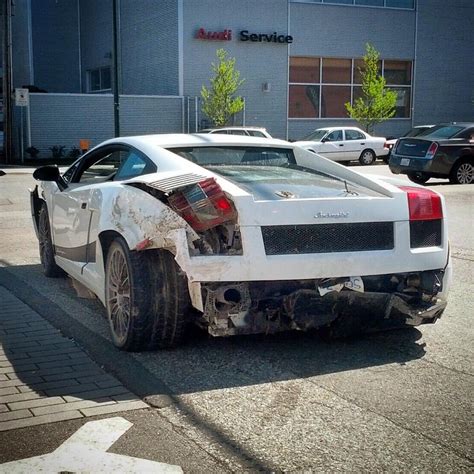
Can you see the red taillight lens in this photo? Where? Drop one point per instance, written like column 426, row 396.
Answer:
column 423, row 204
column 203, row 205
column 432, row 150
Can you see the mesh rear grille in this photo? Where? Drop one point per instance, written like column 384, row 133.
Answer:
column 425, row 233
column 322, row 238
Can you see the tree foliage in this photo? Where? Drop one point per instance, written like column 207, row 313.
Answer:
column 219, row 101
column 377, row 103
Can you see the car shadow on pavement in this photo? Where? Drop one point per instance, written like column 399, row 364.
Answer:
column 204, row 362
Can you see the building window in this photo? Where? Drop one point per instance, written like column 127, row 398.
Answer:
column 405, row 4
column 320, row 87
column 99, row 80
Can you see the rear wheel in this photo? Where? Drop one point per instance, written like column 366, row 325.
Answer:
column 46, row 249
column 462, row 173
column 146, row 298
column 418, row 178
column 367, row 157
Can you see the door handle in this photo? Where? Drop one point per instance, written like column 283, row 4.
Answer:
column 341, row 144
column 362, row 143
column 84, row 205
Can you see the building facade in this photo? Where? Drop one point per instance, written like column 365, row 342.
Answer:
column 299, row 59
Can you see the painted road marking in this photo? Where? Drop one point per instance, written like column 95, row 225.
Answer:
column 85, row 451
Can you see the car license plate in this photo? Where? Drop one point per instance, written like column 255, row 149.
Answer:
column 405, row 162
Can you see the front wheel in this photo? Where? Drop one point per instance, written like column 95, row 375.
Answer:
column 418, row 178
column 462, row 173
column 367, row 157
column 46, row 249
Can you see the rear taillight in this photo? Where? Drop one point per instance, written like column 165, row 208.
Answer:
column 203, row 205
column 423, row 204
column 432, row 150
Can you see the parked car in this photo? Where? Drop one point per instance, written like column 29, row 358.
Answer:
column 447, row 151
column 413, row 132
column 246, row 131
column 345, row 144
column 240, row 235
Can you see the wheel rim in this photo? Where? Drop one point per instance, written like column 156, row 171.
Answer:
column 465, row 173
column 46, row 250
column 118, row 297
column 367, row 157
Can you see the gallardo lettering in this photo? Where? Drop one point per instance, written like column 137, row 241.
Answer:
column 265, row 38
column 225, row 35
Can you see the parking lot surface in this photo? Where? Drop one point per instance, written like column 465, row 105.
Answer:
column 395, row 401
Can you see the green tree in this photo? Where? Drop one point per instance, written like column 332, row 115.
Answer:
column 377, row 103
column 219, row 101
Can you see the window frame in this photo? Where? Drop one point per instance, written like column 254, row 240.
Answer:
column 354, row 4
column 89, row 81
column 352, row 85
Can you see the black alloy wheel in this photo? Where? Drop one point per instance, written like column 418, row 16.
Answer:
column 462, row 173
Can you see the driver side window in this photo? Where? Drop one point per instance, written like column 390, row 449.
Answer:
column 102, row 169
column 335, row 136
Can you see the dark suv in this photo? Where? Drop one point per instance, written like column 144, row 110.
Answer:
column 447, row 151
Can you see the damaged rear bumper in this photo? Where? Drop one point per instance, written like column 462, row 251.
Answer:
column 269, row 307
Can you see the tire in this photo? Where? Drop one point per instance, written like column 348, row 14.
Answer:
column 367, row 157
column 46, row 249
column 146, row 298
column 418, row 178
column 462, row 172
column 386, row 159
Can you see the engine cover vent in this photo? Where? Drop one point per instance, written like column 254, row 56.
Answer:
column 172, row 183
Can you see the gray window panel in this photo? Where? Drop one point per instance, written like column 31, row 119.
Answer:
column 94, row 80
column 105, row 78
column 372, row 3
column 341, row 2
column 400, row 3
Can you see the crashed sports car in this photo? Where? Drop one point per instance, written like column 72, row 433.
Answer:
column 240, row 235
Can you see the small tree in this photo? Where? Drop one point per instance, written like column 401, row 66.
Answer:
column 377, row 103
column 219, row 103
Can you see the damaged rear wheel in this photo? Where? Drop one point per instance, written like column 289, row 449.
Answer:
column 147, row 298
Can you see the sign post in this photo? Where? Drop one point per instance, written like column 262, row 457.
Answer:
column 22, row 100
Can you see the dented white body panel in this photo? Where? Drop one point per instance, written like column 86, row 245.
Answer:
column 80, row 214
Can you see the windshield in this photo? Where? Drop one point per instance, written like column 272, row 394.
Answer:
column 237, row 156
column 444, row 131
column 315, row 136
column 415, row 132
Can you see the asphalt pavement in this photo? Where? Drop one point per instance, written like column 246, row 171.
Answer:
column 395, row 401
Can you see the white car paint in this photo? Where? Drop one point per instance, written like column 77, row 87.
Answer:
column 80, row 213
column 341, row 144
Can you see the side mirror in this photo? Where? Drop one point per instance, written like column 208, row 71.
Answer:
column 324, row 140
column 50, row 173
column 2, row 173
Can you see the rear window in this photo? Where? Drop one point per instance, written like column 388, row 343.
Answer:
column 444, row 131
column 241, row 156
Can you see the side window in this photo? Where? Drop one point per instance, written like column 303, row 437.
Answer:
column 354, row 135
column 101, row 169
column 256, row 133
column 134, row 164
column 222, row 132
column 335, row 136
column 237, row 132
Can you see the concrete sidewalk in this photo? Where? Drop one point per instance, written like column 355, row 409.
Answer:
column 45, row 377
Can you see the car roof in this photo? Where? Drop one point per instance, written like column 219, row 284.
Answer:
column 340, row 127
column 237, row 127
column 196, row 139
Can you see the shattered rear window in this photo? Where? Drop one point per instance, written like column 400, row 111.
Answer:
column 237, row 156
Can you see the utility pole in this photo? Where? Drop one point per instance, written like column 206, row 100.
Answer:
column 116, row 70
column 7, row 82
